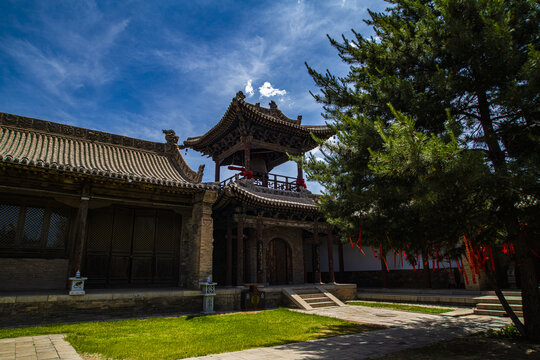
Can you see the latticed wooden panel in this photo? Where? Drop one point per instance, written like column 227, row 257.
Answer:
column 165, row 239
column 132, row 246
column 100, row 225
column 33, row 227
column 123, row 227
column 143, row 233
column 9, row 221
column 58, row 229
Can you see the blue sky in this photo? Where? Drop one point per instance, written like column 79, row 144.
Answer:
column 136, row 67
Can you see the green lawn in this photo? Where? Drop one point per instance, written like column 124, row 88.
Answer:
column 180, row 337
column 413, row 308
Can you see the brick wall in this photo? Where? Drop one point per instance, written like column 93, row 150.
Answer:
column 32, row 274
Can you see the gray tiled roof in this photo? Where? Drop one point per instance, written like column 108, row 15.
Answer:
column 42, row 144
column 265, row 197
column 272, row 118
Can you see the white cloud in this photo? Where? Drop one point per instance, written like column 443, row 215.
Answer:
column 249, row 89
column 267, row 90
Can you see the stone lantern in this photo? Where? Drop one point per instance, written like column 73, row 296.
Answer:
column 208, row 290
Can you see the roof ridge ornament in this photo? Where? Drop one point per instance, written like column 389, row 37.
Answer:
column 240, row 95
column 172, row 140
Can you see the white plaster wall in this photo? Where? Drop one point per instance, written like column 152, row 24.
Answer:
column 355, row 260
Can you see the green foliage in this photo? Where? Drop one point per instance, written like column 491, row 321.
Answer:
column 508, row 332
column 403, row 307
column 403, row 174
column 180, row 337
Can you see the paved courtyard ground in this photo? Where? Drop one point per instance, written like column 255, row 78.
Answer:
column 406, row 330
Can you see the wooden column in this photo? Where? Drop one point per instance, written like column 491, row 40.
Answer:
column 331, row 257
column 80, row 238
column 300, row 172
column 316, row 257
column 305, row 260
column 341, row 263
column 218, row 167
column 229, row 251
column 240, row 251
column 247, row 156
column 247, row 259
column 260, row 251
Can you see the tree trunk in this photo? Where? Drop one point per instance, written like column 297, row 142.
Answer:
column 426, row 271
column 529, row 282
column 492, row 277
column 384, row 272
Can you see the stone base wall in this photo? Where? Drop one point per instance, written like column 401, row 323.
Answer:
column 37, row 309
column 20, row 310
column 33, row 274
column 343, row 292
column 440, row 279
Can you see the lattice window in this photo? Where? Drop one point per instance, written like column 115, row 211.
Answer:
column 33, row 227
column 58, row 228
column 9, row 220
column 165, row 240
column 143, row 233
column 99, row 229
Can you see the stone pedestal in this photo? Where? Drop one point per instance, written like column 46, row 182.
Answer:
column 76, row 284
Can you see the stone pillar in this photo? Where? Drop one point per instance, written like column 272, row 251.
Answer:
column 201, row 247
column 331, row 256
column 229, row 260
column 240, row 251
column 260, row 251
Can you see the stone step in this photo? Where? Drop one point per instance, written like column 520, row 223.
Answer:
column 315, row 299
column 306, row 291
column 323, row 304
column 490, row 306
column 500, row 313
column 507, row 293
column 492, row 299
column 311, row 296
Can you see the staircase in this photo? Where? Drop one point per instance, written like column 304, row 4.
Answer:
column 490, row 305
column 309, row 298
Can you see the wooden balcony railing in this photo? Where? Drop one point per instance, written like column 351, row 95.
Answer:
column 272, row 181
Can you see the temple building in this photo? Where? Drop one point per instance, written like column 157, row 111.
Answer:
column 130, row 213
column 134, row 219
column 262, row 221
column 125, row 212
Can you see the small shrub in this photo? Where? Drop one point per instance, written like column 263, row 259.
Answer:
column 509, row 332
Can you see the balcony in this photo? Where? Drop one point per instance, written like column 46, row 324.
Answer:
column 269, row 181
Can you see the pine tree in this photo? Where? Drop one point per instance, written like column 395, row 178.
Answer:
column 476, row 59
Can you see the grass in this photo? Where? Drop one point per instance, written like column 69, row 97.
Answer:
column 402, row 307
column 180, row 337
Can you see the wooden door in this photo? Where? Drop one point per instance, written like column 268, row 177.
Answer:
column 129, row 246
column 278, row 262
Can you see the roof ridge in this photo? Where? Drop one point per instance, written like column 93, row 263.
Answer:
column 70, row 131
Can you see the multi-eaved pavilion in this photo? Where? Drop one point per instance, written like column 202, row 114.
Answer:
column 261, row 219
